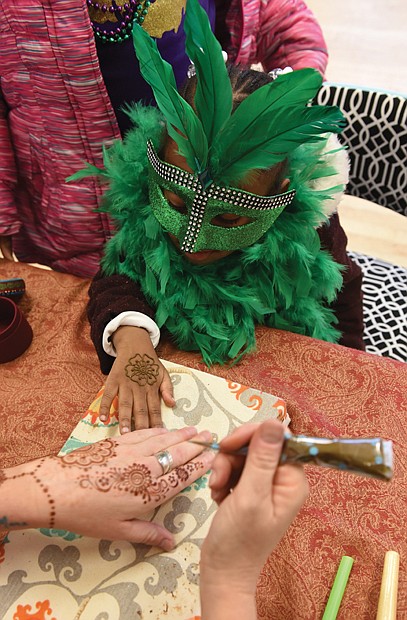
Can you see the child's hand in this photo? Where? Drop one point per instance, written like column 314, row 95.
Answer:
column 139, row 379
column 251, row 520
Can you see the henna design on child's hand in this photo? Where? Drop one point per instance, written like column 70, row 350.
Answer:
column 94, row 453
column 142, row 370
column 137, row 479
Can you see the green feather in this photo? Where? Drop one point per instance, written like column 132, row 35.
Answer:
column 272, row 144
column 89, row 171
column 179, row 115
column 213, row 97
column 270, row 123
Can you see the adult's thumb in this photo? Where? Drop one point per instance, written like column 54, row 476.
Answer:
column 262, row 459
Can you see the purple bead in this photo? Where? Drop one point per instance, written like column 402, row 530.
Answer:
column 96, row 5
column 118, row 30
column 126, row 6
column 111, row 9
column 104, row 8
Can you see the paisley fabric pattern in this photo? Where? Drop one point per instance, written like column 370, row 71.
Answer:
column 329, row 390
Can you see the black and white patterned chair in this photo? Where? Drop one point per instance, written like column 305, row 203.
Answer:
column 376, row 137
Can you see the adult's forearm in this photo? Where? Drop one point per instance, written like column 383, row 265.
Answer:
column 25, row 498
column 225, row 602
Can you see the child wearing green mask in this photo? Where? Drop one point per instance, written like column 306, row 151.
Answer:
column 226, row 217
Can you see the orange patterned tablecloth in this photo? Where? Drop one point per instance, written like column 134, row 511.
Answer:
column 329, row 391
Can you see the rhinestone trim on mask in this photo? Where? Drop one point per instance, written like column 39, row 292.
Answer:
column 225, row 194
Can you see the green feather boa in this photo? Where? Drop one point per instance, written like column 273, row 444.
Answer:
column 282, row 281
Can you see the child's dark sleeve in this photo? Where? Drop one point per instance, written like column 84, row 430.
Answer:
column 348, row 306
column 108, row 297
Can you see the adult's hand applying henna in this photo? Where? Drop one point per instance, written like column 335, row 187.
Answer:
column 250, row 521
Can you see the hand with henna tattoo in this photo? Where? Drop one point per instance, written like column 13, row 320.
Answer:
column 105, row 489
column 139, row 380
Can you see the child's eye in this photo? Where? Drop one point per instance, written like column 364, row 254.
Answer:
column 175, row 202
column 178, row 207
column 229, row 220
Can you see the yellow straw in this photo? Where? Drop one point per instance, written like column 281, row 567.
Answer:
column 387, row 607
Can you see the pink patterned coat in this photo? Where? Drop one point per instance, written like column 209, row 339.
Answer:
column 55, row 114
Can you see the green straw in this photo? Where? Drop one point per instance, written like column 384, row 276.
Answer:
column 338, row 588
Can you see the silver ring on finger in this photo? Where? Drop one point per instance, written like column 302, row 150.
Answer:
column 165, row 459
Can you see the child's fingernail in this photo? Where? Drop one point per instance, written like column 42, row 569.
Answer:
column 125, row 429
column 103, row 418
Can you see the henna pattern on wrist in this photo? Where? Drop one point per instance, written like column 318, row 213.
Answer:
column 142, row 369
column 98, row 453
column 137, row 479
column 5, row 524
column 34, row 474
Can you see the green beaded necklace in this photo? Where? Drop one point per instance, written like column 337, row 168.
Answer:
column 130, row 13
